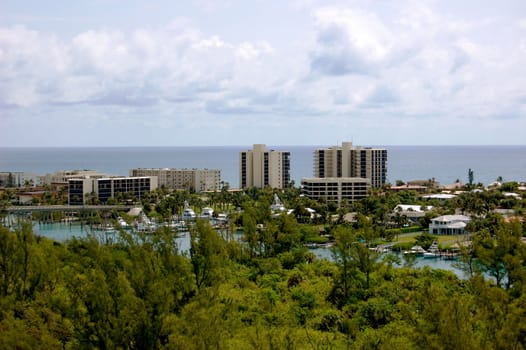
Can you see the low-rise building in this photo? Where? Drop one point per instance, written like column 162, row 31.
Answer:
column 198, row 180
column 440, row 196
column 449, row 225
column 62, row 177
column 336, row 189
column 417, row 188
column 18, row 179
column 411, row 212
column 82, row 190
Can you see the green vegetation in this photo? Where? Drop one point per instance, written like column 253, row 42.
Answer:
column 267, row 291
column 143, row 293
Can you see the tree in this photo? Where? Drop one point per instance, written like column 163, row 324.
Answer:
column 9, row 268
column 354, row 259
column 10, row 180
column 470, row 178
column 425, row 240
column 341, row 251
column 500, row 253
column 207, row 254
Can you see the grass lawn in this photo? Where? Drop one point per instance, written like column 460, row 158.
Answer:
column 443, row 240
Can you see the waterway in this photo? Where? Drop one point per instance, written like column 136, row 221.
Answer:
column 420, row 262
column 65, row 231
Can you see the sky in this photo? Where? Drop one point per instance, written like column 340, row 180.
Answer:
column 239, row 72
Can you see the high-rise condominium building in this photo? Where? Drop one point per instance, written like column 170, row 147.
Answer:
column 261, row 168
column 348, row 161
column 183, row 179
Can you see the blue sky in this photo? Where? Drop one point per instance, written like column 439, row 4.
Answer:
column 238, row 72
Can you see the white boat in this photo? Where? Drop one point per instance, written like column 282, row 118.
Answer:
column 277, row 206
column 122, row 223
column 222, row 217
column 144, row 224
column 415, row 250
column 188, row 213
column 433, row 251
column 206, row 213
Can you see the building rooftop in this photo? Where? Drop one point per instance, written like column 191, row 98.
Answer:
column 439, row 196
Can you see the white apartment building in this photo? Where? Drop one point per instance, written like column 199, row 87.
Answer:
column 335, row 189
column 183, row 179
column 348, row 161
column 261, row 168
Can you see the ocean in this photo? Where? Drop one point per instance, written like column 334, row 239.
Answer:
column 444, row 163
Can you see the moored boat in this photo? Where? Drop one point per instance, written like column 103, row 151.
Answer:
column 433, row 251
column 415, row 250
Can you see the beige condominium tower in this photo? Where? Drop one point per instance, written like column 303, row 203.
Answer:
column 348, row 161
column 261, row 168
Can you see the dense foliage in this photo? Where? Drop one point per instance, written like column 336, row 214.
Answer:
column 267, row 291
column 143, row 293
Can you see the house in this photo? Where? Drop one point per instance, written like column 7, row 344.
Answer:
column 440, row 196
column 411, row 212
column 449, row 225
column 417, row 188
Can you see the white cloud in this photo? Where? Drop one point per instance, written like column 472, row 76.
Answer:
column 250, row 51
column 349, row 41
column 360, row 64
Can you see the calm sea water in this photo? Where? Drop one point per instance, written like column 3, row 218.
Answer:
column 444, row 163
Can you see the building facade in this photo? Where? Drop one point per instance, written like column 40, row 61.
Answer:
column 83, row 190
column 260, row 168
column 63, row 176
column 183, row 179
column 348, row 161
column 335, row 189
column 449, row 225
column 18, row 179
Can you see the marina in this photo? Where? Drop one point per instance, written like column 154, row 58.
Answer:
column 64, row 231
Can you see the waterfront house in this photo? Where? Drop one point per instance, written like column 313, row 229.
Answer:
column 449, row 225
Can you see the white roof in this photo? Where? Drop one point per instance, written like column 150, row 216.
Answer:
column 440, row 196
column 410, row 207
column 457, row 225
column 134, row 211
column 452, row 218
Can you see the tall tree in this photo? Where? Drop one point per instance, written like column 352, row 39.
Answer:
column 207, row 254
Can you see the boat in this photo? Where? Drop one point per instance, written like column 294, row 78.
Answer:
column 450, row 255
column 144, row 224
column 206, row 213
column 222, row 218
column 181, row 226
column 188, row 213
column 122, row 223
column 277, row 206
column 415, row 250
column 433, row 251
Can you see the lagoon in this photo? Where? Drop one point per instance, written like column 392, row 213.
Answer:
column 65, row 231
